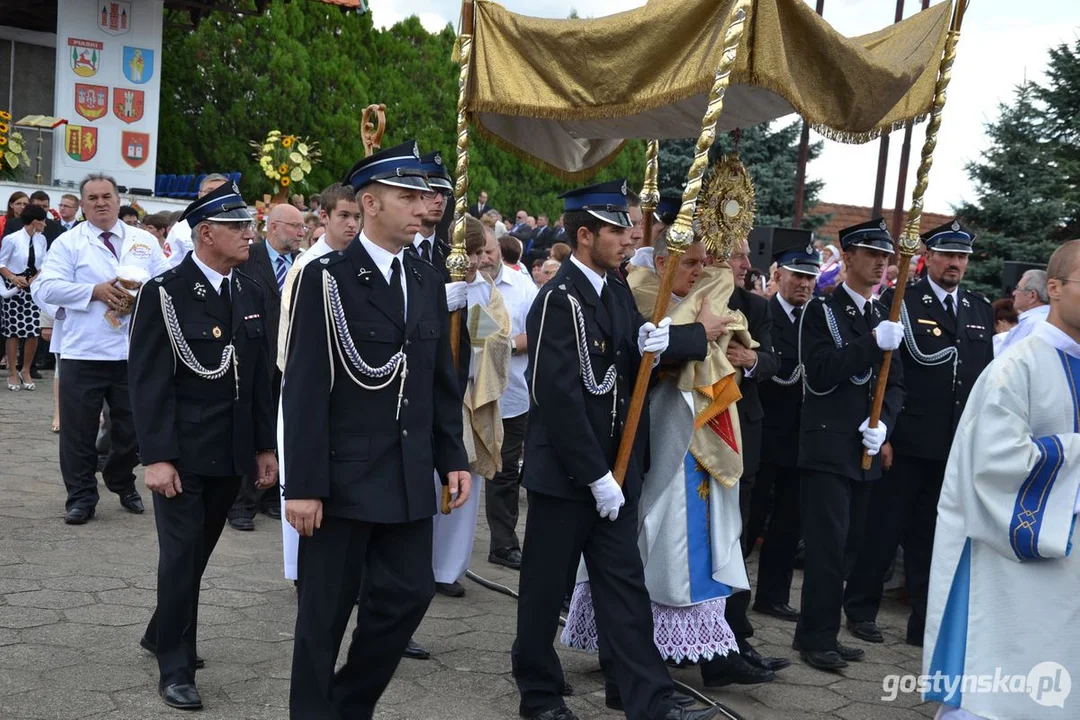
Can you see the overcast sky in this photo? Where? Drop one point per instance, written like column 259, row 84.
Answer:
column 1003, row 42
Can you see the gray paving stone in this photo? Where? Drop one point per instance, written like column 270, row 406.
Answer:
column 50, row 599
column 37, row 657
column 82, row 583
column 106, row 614
column 24, row 617
column 96, row 676
column 54, row 704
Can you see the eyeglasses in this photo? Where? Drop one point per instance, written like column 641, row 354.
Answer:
column 1066, row 280
column 237, row 227
column 296, row 227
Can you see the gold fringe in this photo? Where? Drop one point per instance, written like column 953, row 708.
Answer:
column 533, row 161
column 670, row 97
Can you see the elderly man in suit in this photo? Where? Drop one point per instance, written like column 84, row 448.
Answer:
column 269, row 262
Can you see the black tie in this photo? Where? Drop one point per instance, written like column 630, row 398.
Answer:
column 31, row 259
column 226, row 296
column 796, row 312
column 868, row 313
column 425, row 250
column 949, row 307
column 395, row 285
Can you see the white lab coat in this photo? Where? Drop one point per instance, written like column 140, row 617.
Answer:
column 178, row 243
column 78, row 261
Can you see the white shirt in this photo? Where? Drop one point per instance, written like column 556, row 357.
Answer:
column 788, row 307
column 860, row 301
column 213, row 276
column 15, row 251
column 384, row 260
column 518, row 294
column 178, row 242
column 79, row 260
column 1029, row 320
column 595, row 279
column 941, row 293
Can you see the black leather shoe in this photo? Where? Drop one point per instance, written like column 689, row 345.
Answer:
column 507, row 557
column 558, row 713
column 782, row 611
column 756, row 659
column 849, row 654
column 149, row 647
column 914, row 641
column 78, row 515
column 614, row 701
column 866, row 630
column 184, row 696
column 243, row 524
column 681, row 713
column 132, row 503
column 454, row 589
column 272, row 511
column 733, row 669
column 415, row 652
column 823, row 659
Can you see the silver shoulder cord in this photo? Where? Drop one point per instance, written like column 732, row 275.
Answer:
column 834, row 330
column 949, row 354
column 588, row 377
column 183, row 352
column 342, row 342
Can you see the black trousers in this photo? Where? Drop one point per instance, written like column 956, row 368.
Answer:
column 557, row 533
column 738, row 603
column 87, row 384
column 903, row 508
column 384, row 569
column 777, row 559
column 251, row 500
column 501, row 493
column 829, row 504
column 188, row 528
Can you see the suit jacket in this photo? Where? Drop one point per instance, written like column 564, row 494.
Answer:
column 199, row 425
column 475, row 210
column 756, row 309
column 537, row 247
column 782, row 404
column 572, row 438
column 829, row 438
column 258, row 266
column 362, row 458
column 933, row 403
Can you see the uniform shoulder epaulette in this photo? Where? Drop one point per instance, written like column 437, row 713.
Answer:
column 980, row 296
column 328, row 260
column 167, row 276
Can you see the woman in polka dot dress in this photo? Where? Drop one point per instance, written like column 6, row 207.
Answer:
column 22, row 254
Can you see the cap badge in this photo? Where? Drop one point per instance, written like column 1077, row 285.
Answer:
column 416, row 151
column 235, row 189
column 883, row 226
column 955, row 226
column 624, row 187
column 810, row 249
column 438, row 159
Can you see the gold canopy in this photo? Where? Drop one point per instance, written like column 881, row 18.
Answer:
column 566, row 94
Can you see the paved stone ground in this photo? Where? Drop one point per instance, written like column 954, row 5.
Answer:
column 74, row 601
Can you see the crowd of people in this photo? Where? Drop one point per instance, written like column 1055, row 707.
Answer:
column 311, row 348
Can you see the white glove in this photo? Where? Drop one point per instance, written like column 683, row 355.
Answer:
column 457, row 295
column 889, row 334
column 654, row 338
column 873, row 438
column 608, row 495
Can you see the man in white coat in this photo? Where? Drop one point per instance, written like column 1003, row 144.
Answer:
column 1002, row 641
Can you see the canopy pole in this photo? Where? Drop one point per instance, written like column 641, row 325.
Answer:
column 804, row 156
column 901, row 180
column 909, row 241
column 681, row 232
column 457, row 263
column 650, row 190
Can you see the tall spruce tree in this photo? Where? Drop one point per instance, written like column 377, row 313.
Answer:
column 1019, row 211
column 771, row 156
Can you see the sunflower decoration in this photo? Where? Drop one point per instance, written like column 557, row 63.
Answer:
column 285, row 159
column 12, row 148
column 725, row 210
